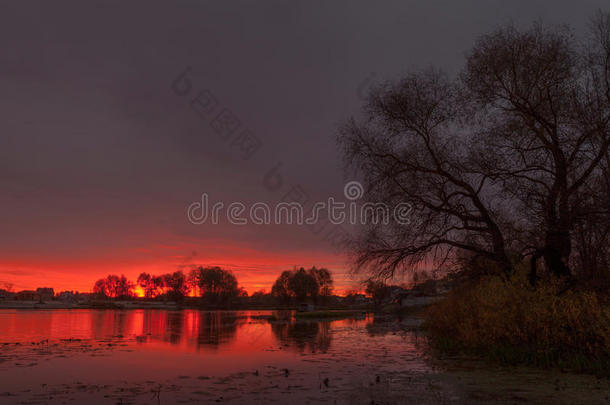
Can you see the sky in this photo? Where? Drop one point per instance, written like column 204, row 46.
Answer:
column 110, row 124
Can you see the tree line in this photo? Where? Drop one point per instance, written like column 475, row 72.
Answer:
column 216, row 286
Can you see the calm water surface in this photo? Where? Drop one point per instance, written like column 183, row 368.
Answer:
column 156, row 356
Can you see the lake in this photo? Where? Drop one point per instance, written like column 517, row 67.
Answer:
column 150, row 356
column 189, row 356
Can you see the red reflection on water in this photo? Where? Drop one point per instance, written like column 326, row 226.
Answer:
column 206, row 349
column 188, row 330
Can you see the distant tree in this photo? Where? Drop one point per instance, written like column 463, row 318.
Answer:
column 351, row 296
column 148, row 284
column 260, row 298
column 159, row 284
column 324, row 280
column 281, row 289
column 378, row 291
column 99, row 288
column 258, row 294
column 303, row 284
column 114, row 286
column 216, row 285
column 175, row 284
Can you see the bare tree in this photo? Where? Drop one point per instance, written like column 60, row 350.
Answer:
column 412, row 147
column 591, row 233
column 543, row 106
column 494, row 162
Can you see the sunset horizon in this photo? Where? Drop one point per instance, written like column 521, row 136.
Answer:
column 294, row 202
column 255, row 277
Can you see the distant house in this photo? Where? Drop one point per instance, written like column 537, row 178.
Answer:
column 45, row 293
column 27, row 295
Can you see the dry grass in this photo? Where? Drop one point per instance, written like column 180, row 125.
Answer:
column 513, row 323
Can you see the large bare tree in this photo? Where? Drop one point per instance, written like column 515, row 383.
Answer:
column 496, row 161
column 412, row 147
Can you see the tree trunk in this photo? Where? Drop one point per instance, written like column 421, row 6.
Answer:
column 556, row 252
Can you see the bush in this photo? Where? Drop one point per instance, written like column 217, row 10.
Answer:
column 510, row 322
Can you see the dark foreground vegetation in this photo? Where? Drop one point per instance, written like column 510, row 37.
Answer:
column 512, row 323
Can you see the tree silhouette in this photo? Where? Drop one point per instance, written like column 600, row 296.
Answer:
column 114, row 286
column 147, row 282
column 281, row 289
column 176, row 285
column 378, row 291
column 302, row 285
column 324, row 281
column 217, row 286
column 496, row 162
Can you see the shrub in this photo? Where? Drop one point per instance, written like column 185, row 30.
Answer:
column 513, row 323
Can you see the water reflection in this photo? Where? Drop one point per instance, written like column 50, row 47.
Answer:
column 99, row 356
column 194, row 329
column 216, row 328
column 304, row 336
column 240, row 331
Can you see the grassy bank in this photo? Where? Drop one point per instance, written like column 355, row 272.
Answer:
column 511, row 323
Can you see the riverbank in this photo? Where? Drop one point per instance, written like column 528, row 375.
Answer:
column 331, row 312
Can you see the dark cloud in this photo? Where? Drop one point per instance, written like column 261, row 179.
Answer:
column 98, row 154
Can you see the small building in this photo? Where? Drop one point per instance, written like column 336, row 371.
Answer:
column 27, row 295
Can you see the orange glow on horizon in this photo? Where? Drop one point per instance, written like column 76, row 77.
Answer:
column 255, row 270
column 138, row 291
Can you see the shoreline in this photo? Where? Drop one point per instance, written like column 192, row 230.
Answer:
column 127, row 305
